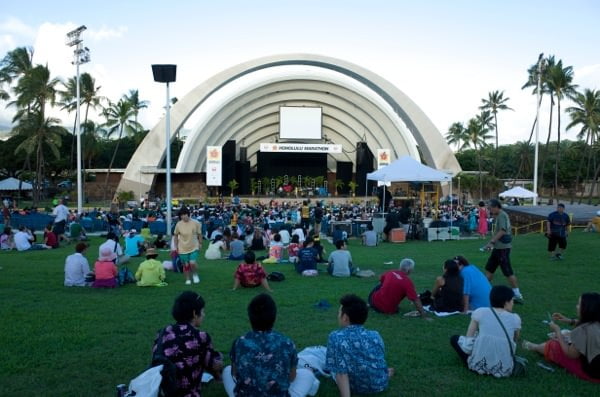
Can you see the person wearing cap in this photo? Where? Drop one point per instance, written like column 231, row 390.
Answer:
column 150, row 273
column 393, row 287
column 134, row 244
column 105, row 269
column 556, row 231
column 500, row 245
column 594, row 224
column 188, row 241
column 77, row 267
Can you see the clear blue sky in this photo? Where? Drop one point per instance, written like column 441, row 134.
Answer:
column 445, row 55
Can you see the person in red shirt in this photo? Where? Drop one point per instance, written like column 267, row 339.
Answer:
column 250, row 274
column 50, row 239
column 395, row 285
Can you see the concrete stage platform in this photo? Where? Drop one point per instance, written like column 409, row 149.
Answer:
column 580, row 213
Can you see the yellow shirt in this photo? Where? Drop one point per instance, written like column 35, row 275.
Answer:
column 596, row 222
column 187, row 236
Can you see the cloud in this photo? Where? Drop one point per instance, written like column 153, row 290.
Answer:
column 588, row 76
column 105, row 33
column 15, row 26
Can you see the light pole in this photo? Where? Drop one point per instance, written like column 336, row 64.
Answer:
column 167, row 74
column 537, row 127
column 81, row 55
column 459, row 191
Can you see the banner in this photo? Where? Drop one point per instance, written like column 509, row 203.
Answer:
column 213, row 165
column 383, row 159
column 300, row 148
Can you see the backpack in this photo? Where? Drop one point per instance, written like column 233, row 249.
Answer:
column 276, row 276
column 125, row 276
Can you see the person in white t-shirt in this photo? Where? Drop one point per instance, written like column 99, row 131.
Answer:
column 61, row 214
column 23, row 240
column 77, row 267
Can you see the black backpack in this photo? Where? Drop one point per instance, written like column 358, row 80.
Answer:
column 276, row 276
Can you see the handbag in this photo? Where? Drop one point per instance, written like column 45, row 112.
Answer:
column 147, row 383
column 506, row 239
column 519, row 363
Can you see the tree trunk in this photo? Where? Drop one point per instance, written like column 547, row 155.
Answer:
column 541, row 178
column 496, row 150
column 585, row 154
column 557, row 160
column 111, row 163
column 593, row 187
column 480, row 178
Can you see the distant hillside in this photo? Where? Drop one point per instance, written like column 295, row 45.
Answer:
column 4, row 132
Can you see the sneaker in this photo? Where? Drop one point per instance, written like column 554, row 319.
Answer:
column 527, row 345
column 188, row 282
column 559, row 256
column 196, row 279
column 519, row 299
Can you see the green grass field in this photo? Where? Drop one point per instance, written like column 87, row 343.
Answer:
column 59, row 341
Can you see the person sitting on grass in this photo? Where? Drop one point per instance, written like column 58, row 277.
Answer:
column 490, row 353
column 476, row 287
column 215, row 248
column 134, row 244
column 190, row 349
column 275, row 250
column 355, row 355
column 112, row 242
column 150, row 273
column 159, row 242
column 579, row 353
column 447, row 292
column 307, row 257
column 263, row 361
column 369, row 237
column 7, row 241
column 77, row 231
column 50, row 239
column 250, row 274
column 237, row 247
column 340, row 261
column 24, row 239
column 320, row 249
column 105, row 269
column 77, row 267
column 293, row 249
column 393, row 287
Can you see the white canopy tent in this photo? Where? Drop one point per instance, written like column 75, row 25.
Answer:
column 13, row 184
column 407, row 169
column 518, row 192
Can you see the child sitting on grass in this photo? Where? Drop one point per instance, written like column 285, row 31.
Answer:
column 151, row 272
column 105, row 269
column 275, row 250
column 250, row 274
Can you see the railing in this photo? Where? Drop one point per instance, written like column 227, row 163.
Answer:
column 536, row 227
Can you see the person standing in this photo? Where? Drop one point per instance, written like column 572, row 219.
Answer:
column 556, row 231
column 500, row 245
column 6, row 213
column 61, row 213
column 482, row 220
column 318, row 218
column 188, row 240
column 356, row 355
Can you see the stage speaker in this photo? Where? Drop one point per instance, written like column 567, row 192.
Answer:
column 344, row 173
column 243, row 154
column 364, row 165
column 242, row 175
column 228, row 164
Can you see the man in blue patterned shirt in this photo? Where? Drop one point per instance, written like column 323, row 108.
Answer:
column 263, row 361
column 355, row 354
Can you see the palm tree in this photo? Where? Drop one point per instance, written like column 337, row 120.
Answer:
column 118, row 118
column 40, row 133
column 16, row 64
column 134, row 99
column 477, row 134
column 494, row 103
column 456, row 135
column 560, row 82
column 586, row 114
column 91, row 132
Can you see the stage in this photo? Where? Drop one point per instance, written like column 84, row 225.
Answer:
column 580, row 214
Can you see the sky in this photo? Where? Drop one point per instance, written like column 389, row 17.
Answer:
column 445, row 55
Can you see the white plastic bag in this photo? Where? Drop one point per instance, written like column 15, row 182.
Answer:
column 147, row 383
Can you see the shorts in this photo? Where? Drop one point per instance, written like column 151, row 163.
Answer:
column 553, row 240
column 189, row 257
column 500, row 257
column 318, row 221
column 59, row 228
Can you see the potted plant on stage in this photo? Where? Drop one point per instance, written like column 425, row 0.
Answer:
column 339, row 184
column 353, row 185
column 266, row 186
column 253, row 185
column 233, row 184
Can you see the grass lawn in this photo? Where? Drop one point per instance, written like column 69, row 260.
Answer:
column 60, row 341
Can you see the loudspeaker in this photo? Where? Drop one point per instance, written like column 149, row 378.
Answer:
column 344, row 173
column 164, row 73
column 228, row 164
column 242, row 175
column 364, row 165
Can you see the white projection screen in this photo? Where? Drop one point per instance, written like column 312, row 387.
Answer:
column 300, row 122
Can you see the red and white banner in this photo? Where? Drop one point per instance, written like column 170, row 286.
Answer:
column 213, row 165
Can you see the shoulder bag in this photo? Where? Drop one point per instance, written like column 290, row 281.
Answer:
column 519, row 363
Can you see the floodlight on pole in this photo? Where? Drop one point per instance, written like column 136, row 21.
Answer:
column 81, row 55
column 537, row 127
column 167, row 74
